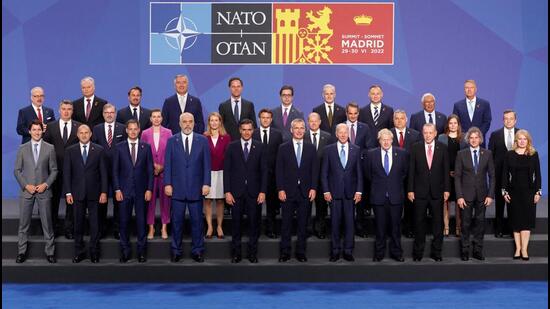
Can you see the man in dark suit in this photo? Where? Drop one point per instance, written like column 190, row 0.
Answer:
column 245, row 187
column 135, row 110
column 133, row 185
column 187, row 179
column 404, row 138
column 473, row 194
column 182, row 102
column 376, row 114
column 500, row 142
column 85, row 184
column 297, row 176
column 284, row 114
column 236, row 108
column 320, row 139
column 89, row 108
column 35, row 111
column 331, row 113
column 428, row 115
column 108, row 134
column 342, row 182
column 473, row 111
column 387, row 168
column 61, row 135
column 428, row 187
column 271, row 138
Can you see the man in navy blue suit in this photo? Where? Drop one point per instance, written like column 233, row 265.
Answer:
column 473, row 111
column 376, row 114
column 245, row 184
column 297, row 176
column 133, row 185
column 85, row 184
column 331, row 113
column 35, row 111
column 428, row 115
column 182, row 102
column 187, row 181
column 135, row 110
column 88, row 109
column 342, row 182
column 387, row 168
column 286, row 112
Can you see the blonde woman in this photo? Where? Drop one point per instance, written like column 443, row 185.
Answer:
column 521, row 183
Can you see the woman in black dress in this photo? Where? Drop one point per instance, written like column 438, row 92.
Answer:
column 521, row 185
column 454, row 141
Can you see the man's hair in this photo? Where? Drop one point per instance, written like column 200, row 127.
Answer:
column 286, row 87
column 36, row 122
column 233, row 79
column 130, row 121
column 246, row 121
column 135, row 88
column 265, row 110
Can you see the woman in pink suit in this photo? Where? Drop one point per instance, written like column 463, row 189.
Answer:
column 157, row 136
column 218, row 140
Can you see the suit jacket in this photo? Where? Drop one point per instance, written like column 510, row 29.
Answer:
column 469, row 184
column 338, row 116
column 98, row 137
column 133, row 180
column 342, row 182
column 424, row 182
column 482, row 115
column 158, row 153
column 418, row 120
column 171, row 112
column 385, row 118
column 296, row 180
column 144, row 117
column 54, row 137
column 217, row 152
column 96, row 113
column 43, row 171
column 365, row 136
column 231, row 125
column 187, row 173
column 497, row 145
column 277, row 123
column 275, row 140
column 27, row 115
column 393, row 183
column 410, row 137
column 242, row 177
column 85, row 181
column 323, row 140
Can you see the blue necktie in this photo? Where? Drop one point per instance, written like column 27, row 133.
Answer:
column 84, row 154
column 387, row 163
column 299, row 153
column 245, row 151
column 236, row 111
column 343, row 156
column 476, row 161
column 431, row 120
column 376, row 115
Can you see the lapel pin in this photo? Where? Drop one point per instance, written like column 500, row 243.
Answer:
column 95, row 104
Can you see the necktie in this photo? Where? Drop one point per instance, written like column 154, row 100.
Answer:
column 343, row 156
column 330, row 115
column 387, row 163
column 315, row 140
column 39, row 114
column 430, row 156
column 236, row 113
column 352, row 134
column 35, row 153
column 245, row 151
column 88, row 108
column 187, row 145
column 299, row 153
column 65, row 134
column 471, row 109
column 431, row 120
column 285, row 116
column 264, row 139
column 401, row 140
column 476, row 161
column 110, row 136
column 135, row 114
column 84, row 154
column 133, row 153
column 376, row 115
column 510, row 142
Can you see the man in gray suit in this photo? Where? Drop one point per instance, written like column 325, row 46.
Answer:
column 35, row 171
column 473, row 193
column 284, row 114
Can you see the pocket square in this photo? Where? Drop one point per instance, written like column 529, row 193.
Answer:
column 49, row 118
column 119, row 135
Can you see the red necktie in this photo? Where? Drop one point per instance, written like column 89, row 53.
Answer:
column 39, row 115
column 110, row 136
column 88, row 108
column 401, row 140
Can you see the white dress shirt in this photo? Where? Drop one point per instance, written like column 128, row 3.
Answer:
column 506, row 130
column 182, row 100
column 426, row 148
column 69, row 126
column 249, row 144
column 183, row 136
column 327, row 109
column 87, row 148
column 262, row 133
column 138, row 109
column 378, row 105
column 346, row 150
column 106, row 129
column 130, row 147
column 317, row 137
column 156, row 139
column 383, row 153
column 427, row 117
column 91, row 103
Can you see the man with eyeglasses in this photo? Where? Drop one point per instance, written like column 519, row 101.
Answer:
column 35, row 111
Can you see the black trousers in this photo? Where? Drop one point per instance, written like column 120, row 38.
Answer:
column 388, row 222
column 79, row 221
column 321, row 213
column 57, row 191
column 103, row 213
column 420, row 208
column 302, row 208
column 272, row 205
column 501, row 225
column 253, row 210
column 474, row 211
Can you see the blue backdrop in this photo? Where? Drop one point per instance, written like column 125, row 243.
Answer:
column 502, row 44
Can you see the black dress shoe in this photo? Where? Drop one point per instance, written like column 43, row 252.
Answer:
column 321, row 236
column 175, row 258
column 51, row 259
column 271, row 235
column 20, row 258
column 116, row 235
column 79, row 258
column 199, row 258
column 377, row 259
column 409, row 235
column 236, row 259
column 284, row 258
column 349, row 257
column 142, row 258
column 334, row 257
column 478, row 256
column 499, row 235
column 362, row 234
column 464, row 257
column 301, row 258
column 417, row 258
column 253, row 259
column 94, row 258
column 69, row 235
column 124, row 258
column 398, row 258
column 436, row 258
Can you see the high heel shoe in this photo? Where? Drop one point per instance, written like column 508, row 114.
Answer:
column 208, row 234
column 457, row 232
column 220, row 235
column 151, row 234
column 517, row 257
column 164, row 234
column 524, row 258
column 446, row 232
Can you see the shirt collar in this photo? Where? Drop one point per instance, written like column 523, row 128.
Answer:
column 389, row 150
column 295, row 141
column 472, row 149
column 233, row 99
column 340, row 144
column 130, row 141
column 36, row 107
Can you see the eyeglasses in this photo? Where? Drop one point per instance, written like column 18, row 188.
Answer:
column 37, row 95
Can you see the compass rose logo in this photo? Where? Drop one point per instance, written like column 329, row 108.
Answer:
column 181, row 33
